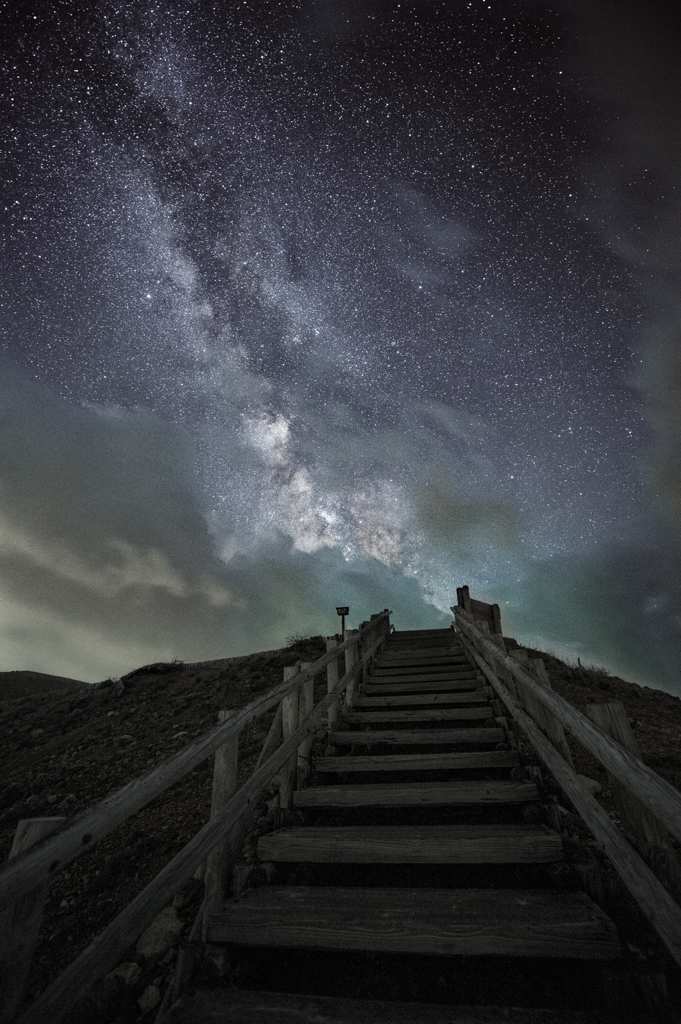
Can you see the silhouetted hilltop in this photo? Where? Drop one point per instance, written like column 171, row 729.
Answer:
column 22, row 684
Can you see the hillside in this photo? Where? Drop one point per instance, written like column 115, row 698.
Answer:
column 62, row 753
column 24, row 684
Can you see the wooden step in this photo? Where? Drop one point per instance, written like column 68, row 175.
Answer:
column 375, row 689
column 419, row 762
column 447, row 922
column 404, row 662
column 240, row 1006
column 386, row 654
column 431, row 699
column 434, row 715
column 409, row 678
column 417, row 794
column 390, row 844
column 423, row 737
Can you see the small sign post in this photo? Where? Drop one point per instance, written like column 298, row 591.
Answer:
column 342, row 612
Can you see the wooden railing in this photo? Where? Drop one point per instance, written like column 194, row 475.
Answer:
column 545, row 717
column 216, row 845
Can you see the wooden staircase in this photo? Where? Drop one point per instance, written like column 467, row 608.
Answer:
column 415, row 841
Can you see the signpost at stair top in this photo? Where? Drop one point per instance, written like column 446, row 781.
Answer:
column 342, row 612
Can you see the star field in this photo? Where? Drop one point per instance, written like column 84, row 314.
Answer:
column 328, row 301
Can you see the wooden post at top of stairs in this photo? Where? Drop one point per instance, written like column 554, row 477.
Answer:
column 351, row 659
column 289, row 724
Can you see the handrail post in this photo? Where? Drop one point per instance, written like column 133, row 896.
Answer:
column 289, row 724
column 351, row 659
column 305, row 706
column 219, row 860
column 20, row 921
column 331, row 683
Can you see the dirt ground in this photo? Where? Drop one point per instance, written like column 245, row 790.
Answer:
column 60, row 754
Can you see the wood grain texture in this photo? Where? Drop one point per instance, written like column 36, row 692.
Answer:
column 654, row 792
column 442, row 661
column 448, row 922
column 434, row 686
column 446, row 844
column 417, row 794
column 427, row 737
column 414, row 700
column 216, row 1006
column 430, row 715
column 108, row 948
column 420, row 762
column 20, row 919
column 422, row 677
column 661, row 910
column 221, row 858
column 36, row 866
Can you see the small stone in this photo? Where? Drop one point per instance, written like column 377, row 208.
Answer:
column 170, row 956
column 64, row 903
column 129, row 972
column 163, row 932
column 52, row 799
column 150, row 998
column 36, row 733
column 594, row 787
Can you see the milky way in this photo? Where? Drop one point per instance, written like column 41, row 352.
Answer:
column 324, row 302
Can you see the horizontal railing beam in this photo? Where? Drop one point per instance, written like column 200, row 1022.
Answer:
column 110, row 945
column 50, row 856
column 654, row 792
column 661, row 910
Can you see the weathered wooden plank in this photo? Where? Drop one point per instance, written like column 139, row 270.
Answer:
column 412, row 794
column 661, row 910
column 390, row 844
column 216, row 1006
column 388, row 654
column 55, row 853
column 20, row 920
column 654, row 792
column 648, row 835
column 425, row 737
column 351, row 659
column 435, row 686
column 420, row 762
column 383, row 662
column 289, row 723
column 108, row 947
column 430, row 700
column 447, row 922
column 385, row 678
column 305, row 706
column 221, row 858
column 435, row 715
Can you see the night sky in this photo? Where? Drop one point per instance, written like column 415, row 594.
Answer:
column 319, row 303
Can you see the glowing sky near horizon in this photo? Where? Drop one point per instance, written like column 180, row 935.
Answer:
column 317, row 303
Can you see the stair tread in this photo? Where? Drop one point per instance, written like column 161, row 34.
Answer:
column 434, row 686
column 400, row 661
column 419, row 762
column 422, row 677
column 217, row 1006
column 449, row 922
column 395, row 700
column 400, row 844
column 423, row 737
column 428, row 715
column 411, row 794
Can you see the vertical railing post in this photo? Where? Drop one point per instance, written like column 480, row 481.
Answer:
column 331, row 683
column 20, row 920
column 305, row 706
column 351, row 659
column 289, row 724
column 221, row 858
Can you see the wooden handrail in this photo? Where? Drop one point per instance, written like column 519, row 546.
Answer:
column 53, row 854
column 109, row 946
column 659, row 907
column 658, row 795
